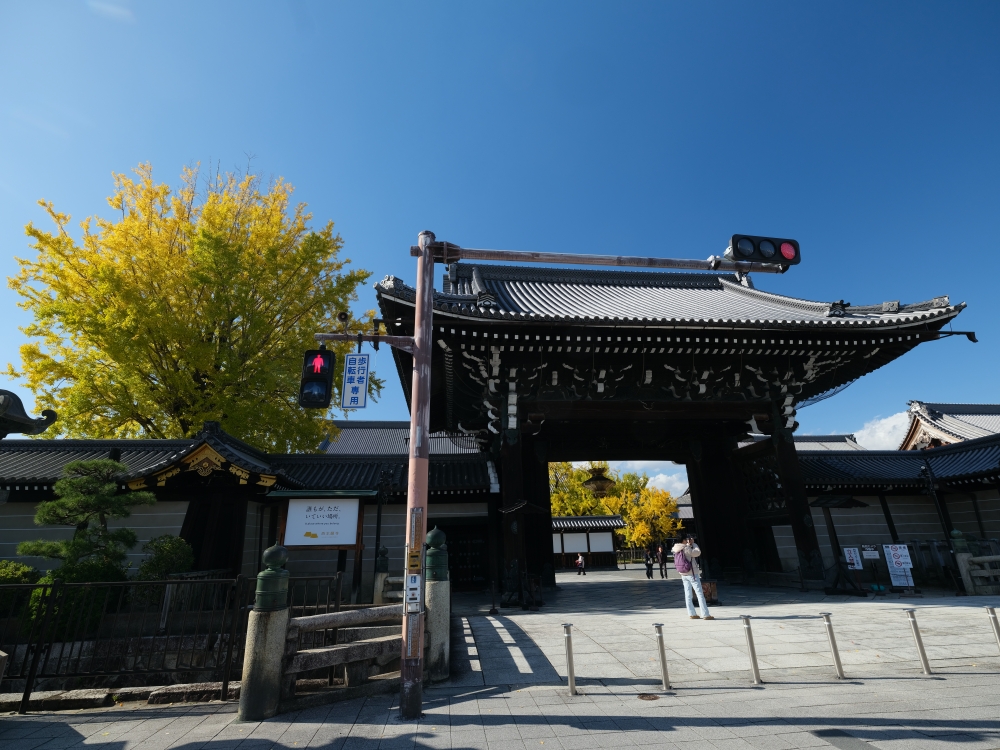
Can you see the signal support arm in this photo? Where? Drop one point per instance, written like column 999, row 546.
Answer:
column 399, row 342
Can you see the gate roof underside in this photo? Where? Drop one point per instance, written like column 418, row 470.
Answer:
column 518, row 346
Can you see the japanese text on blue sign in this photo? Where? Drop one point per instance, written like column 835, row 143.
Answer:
column 354, row 393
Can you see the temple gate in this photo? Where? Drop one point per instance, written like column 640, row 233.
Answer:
column 543, row 364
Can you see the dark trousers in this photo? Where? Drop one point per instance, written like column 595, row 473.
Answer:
column 581, row 571
column 649, row 571
column 663, row 569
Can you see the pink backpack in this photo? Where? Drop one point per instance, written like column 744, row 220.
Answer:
column 681, row 563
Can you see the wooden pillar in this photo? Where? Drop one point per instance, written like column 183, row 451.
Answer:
column 512, row 497
column 888, row 518
column 538, row 522
column 495, row 535
column 942, row 510
column 832, row 533
column 359, row 548
column 720, row 517
column 979, row 516
column 799, row 515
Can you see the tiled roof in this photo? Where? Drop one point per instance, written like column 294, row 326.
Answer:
column 817, row 442
column 965, row 462
column 557, row 294
column 459, row 475
column 827, row 443
column 392, row 439
column 587, row 523
column 961, row 421
column 43, row 461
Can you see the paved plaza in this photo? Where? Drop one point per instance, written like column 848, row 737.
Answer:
column 509, row 687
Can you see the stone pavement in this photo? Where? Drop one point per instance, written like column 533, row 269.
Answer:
column 509, row 690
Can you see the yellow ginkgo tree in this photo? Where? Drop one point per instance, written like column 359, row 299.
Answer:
column 185, row 306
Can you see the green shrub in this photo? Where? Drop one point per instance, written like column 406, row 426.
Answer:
column 167, row 554
column 12, row 602
column 15, row 572
column 77, row 612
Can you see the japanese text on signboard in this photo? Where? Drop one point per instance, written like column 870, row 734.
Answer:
column 313, row 521
column 354, row 393
column 897, row 559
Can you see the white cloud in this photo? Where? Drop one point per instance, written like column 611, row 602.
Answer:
column 884, row 433
column 112, row 11
column 675, row 484
column 666, row 475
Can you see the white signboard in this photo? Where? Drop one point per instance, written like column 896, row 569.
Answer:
column 853, row 558
column 869, row 551
column 897, row 557
column 354, row 392
column 319, row 522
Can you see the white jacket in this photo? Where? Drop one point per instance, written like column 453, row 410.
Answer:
column 692, row 553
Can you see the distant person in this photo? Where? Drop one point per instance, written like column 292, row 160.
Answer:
column 581, row 565
column 686, row 554
column 649, row 565
column 661, row 560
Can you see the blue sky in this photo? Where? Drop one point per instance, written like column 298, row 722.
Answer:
column 866, row 131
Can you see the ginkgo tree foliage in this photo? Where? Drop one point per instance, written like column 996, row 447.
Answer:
column 649, row 512
column 184, row 306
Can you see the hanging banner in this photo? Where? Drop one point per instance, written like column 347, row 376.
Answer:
column 321, row 522
column 354, row 392
column 897, row 558
column 853, row 558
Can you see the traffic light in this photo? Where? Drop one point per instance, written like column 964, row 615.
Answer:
column 316, row 386
column 764, row 250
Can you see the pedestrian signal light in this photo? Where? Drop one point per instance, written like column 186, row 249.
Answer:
column 316, row 385
column 764, row 250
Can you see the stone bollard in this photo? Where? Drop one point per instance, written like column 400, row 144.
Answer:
column 437, row 598
column 260, row 687
column 381, row 573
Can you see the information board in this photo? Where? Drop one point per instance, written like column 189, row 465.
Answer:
column 869, row 551
column 853, row 558
column 322, row 522
column 354, row 392
column 897, row 558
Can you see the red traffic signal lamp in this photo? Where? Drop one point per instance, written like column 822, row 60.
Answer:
column 316, row 385
column 765, row 250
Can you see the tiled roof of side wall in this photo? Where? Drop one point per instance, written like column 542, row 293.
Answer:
column 45, row 460
column 957, row 463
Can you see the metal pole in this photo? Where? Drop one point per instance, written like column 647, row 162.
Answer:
column 522, row 256
column 412, row 663
column 911, row 614
column 658, row 627
column 570, row 671
column 833, row 644
column 993, row 621
column 752, row 650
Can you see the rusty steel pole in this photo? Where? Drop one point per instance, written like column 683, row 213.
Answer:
column 411, row 689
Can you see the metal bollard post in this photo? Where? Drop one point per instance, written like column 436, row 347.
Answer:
column 993, row 621
column 910, row 613
column 753, row 651
column 833, row 644
column 658, row 627
column 570, row 671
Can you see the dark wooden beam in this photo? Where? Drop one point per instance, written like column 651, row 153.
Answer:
column 888, row 518
column 799, row 514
